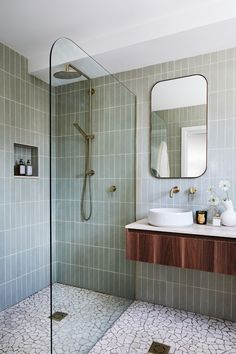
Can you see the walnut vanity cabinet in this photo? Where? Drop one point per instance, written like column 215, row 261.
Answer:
column 211, row 254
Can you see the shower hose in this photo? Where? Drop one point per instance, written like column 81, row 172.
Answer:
column 86, row 184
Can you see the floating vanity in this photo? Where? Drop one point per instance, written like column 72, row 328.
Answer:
column 202, row 247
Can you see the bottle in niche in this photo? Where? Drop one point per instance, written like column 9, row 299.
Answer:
column 21, row 167
column 29, row 170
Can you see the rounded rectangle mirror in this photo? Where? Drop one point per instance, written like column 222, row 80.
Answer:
column 179, row 127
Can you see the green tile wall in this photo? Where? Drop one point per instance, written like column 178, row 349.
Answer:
column 24, row 203
column 92, row 254
column 202, row 292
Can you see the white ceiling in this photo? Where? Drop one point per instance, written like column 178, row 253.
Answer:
column 121, row 34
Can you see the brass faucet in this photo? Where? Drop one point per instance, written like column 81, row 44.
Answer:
column 174, row 190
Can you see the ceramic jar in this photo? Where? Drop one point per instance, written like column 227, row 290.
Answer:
column 228, row 217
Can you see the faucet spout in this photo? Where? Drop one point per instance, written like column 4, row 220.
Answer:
column 174, row 190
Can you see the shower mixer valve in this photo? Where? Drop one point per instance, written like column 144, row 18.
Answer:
column 112, row 189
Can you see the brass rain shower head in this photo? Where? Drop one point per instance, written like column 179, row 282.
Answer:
column 70, row 72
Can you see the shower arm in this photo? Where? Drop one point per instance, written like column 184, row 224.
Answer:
column 75, row 69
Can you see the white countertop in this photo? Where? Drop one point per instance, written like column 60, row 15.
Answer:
column 195, row 229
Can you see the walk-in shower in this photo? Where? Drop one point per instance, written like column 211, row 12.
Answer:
column 94, row 155
column 63, row 281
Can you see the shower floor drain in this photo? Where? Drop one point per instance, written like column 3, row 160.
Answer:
column 58, row 316
column 157, row 348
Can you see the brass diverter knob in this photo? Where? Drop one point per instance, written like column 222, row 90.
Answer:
column 192, row 190
column 112, row 189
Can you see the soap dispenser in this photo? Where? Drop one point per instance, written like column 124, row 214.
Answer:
column 21, row 167
column 29, row 170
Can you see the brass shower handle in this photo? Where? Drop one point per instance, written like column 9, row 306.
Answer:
column 112, row 188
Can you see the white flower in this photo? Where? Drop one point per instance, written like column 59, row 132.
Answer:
column 214, row 200
column 210, row 189
column 224, row 185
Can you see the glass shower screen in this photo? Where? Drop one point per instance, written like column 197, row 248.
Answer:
column 92, row 197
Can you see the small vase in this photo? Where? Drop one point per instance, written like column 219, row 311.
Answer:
column 228, row 217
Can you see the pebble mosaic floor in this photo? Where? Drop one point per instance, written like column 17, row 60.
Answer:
column 184, row 332
column 90, row 315
column 25, row 327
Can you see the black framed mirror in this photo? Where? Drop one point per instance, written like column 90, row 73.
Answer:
column 178, row 128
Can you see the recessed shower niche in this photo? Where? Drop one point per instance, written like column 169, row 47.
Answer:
column 26, row 153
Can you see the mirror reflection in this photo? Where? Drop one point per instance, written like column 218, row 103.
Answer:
column 179, row 127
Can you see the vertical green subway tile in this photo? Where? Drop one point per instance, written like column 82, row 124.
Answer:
column 204, row 301
column 162, row 292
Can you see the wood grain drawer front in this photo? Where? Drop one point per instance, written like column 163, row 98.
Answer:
column 147, row 247
column 198, row 254
column 225, row 257
column 167, row 250
column 209, row 254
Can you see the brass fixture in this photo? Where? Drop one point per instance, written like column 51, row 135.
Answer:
column 70, row 72
column 174, row 190
column 90, row 173
column 112, row 189
column 91, row 91
column 82, row 132
column 191, row 193
column 192, row 190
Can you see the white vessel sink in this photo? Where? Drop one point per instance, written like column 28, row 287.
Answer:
column 170, row 217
